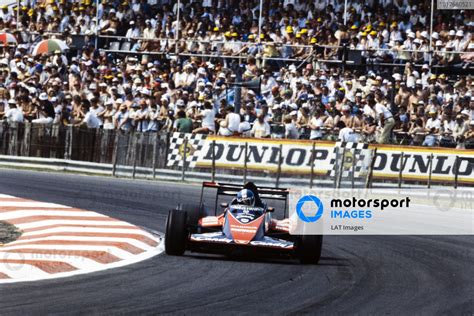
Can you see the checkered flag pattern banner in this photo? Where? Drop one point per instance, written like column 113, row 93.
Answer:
column 195, row 142
column 353, row 151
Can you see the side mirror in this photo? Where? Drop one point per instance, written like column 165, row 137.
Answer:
column 224, row 205
column 270, row 209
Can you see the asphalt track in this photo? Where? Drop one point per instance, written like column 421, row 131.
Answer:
column 364, row 274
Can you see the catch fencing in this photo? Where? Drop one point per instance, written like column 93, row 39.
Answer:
column 316, row 163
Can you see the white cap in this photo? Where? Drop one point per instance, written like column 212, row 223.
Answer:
column 418, row 81
column 12, row 101
column 425, row 66
column 460, row 33
column 293, row 113
column 439, row 43
column 452, row 33
column 43, row 96
column 424, row 34
column 221, row 75
column 411, row 35
column 435, row 35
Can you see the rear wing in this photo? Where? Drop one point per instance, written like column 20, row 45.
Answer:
column 229, row 189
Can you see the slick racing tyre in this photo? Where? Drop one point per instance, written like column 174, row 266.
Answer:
column 176, row 233
column 194, row 211
column 308, row 248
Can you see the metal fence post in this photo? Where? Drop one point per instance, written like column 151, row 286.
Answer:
column 456, row 172
column 353, row 168
column 135, row 158
column 279, row 166
column 368, row 182
column 402, row 166
column 13, row 141
column 313, row 156
column 213, row 174
column 341, row 169
column 155, row 149
column 336, row 167
column 185, row 152
column 29, row 138
column 245, row 161
column 430, row 171
column 114, row 157
column 68, row 145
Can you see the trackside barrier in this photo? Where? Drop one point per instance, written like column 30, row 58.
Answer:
column 275, row 160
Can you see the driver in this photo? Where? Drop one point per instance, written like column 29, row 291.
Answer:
column 244, row 197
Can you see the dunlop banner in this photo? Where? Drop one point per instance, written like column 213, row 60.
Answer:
column 297, row 157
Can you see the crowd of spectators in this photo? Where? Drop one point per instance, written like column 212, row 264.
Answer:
column 413, row 104
column 385, row 30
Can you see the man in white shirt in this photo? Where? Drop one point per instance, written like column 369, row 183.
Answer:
column 90, row 118
column 316, row 124
column 13, row 114
column 291, row 132
column 433, row 123
column 261, row 128
column 346, row 134
column 230, row 124
column 385, row 117
column 208, row 125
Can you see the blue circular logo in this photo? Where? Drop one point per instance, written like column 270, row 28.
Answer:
column 309, row 199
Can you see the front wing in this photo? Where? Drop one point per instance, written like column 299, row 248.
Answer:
column 218, row 238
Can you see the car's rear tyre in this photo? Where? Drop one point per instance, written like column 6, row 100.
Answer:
column 176, row 233
column 308, row 248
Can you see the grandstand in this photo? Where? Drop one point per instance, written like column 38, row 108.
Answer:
column 392, row 71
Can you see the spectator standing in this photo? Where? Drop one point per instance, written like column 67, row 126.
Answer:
column 13, row 114
column 45, row 110
column 261, row 128
column 229, row 126
column 385, row 118
column 316, row 124
column 183, row 124
column 207, row 115
column 291, row 131
column 122, row 119
column 90, row 118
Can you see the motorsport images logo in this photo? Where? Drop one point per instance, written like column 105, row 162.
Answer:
column 310, row 209
column 315, row 204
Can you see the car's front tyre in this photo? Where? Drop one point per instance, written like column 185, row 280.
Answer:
column 308, row 248
column 176, row 233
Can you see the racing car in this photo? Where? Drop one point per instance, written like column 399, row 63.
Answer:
column 238, row 225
